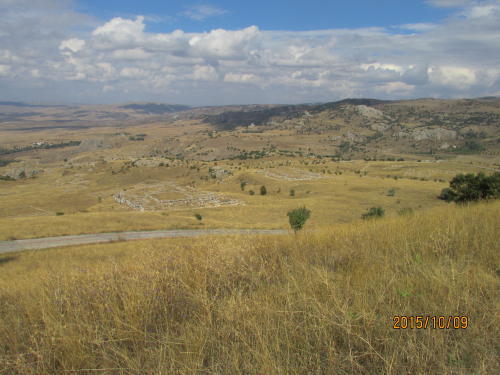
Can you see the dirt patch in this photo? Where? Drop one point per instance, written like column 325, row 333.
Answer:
column 152, row 198
column 291, row 175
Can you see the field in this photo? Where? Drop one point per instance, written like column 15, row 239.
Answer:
column 337, row 192
column 320, row 302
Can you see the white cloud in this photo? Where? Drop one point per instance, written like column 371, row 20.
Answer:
column 4, row 70
column 449, row 3
column 457, row 77
column 205, row 73
column 203, row 11
column 417, row 26
column 131, row 54
column 73, row 44
column 480, row 11
column 134, row 73
column 120, row 32
column 379, row 66
column 241, row 78
column 398, row 88
column 457, row 57
column 223, row 43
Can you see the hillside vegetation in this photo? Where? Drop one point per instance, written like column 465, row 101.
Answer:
column 316, row 303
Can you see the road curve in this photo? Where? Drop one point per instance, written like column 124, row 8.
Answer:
column 82, row 239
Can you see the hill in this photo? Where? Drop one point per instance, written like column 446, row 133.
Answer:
column 320, row 302
column 357, row 127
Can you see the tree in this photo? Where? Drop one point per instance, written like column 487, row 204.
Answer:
column 298, row 217
column 447, row 195
column 373, row 212
column 469, row 187
column 263, row 190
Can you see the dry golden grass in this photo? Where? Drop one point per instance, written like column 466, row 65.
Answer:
column 319, row 303
column 29, row 207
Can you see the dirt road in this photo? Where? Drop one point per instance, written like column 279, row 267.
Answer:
column 48, row 242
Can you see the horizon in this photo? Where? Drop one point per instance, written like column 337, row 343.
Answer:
column 216, row 53
column 15, row 103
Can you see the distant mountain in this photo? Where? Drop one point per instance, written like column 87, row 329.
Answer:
column 156, row 109
column 19, row 104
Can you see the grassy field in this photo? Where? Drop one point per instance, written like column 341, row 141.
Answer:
column 78, row 198
column 316, row 303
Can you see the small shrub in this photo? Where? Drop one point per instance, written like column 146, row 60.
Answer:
column 473, row 146
column 298, row 217
column 263, row 190
column 292, row 193
column 251, row 192
column 242, row 185
column 373, row 212
column 391, row 192
column 59, row 213
column 405, row 211
column 198, row 216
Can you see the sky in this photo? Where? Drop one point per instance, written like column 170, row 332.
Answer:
column 248, row 52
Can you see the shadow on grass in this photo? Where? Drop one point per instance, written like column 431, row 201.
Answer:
column 7, row 259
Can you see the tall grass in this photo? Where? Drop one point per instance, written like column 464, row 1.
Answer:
column 317, row 303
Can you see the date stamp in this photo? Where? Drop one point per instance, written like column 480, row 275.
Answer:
column 432, row 322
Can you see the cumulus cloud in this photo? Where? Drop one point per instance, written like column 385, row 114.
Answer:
column 120, row 32
column 223, row 43
column 73, row 45
column 119, row 60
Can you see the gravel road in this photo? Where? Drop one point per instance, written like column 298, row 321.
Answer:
column 81, row 239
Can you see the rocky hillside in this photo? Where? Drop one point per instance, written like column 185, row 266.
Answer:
column 361, row 125
column 348, row 129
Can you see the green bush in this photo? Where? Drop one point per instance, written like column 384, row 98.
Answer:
column 263, row 190
column 447, row 195
column 242, row 185
column 405, row 211
column 298, row 217
column 198, row 216
column 391, row 192
column 292, row 193
column 469, row 187
column 251, row 192
column 473, row 146
column 373, row 212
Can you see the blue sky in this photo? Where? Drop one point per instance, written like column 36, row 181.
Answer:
column 231, row 52
column 269, row 15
